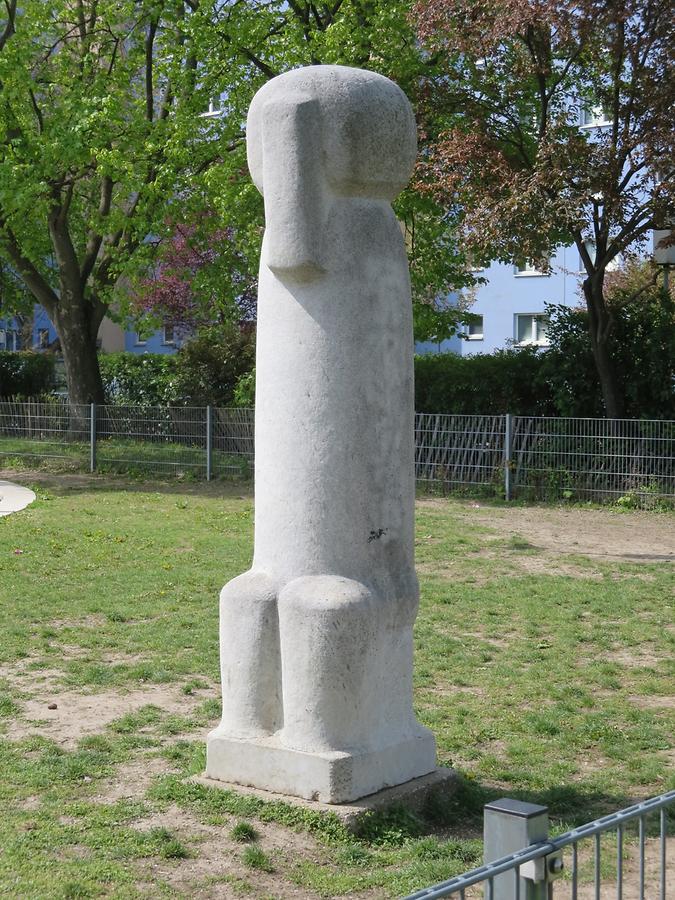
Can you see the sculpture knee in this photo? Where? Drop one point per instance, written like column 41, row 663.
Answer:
column 329, row 630
column 249, row 653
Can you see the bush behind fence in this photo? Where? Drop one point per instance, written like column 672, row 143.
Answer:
column 631, row 461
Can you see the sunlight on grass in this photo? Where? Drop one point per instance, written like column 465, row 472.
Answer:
column 551, row 688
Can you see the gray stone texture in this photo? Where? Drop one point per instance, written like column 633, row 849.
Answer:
column 316, row 639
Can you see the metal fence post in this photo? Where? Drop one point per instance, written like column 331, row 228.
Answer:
column 508, row 826
column 209, row 447
column 92, row 438
column 508, row 447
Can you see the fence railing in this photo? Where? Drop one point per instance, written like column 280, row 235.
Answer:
column 522, row 861
column 510, row 456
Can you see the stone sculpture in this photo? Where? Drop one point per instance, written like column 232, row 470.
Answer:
column 316, row 639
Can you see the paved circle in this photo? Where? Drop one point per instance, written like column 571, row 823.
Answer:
column 13, row 497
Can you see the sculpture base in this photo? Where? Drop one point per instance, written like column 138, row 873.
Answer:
column 415, row 795
column 329, row 777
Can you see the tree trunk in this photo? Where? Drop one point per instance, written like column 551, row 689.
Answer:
column 76, row 324
column 601, row 330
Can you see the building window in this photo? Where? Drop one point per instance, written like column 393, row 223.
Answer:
column 140, row 341
column 531, row 329
column 474, row 330
column 42, row 338
column 593, row 117
column 528, row 267
column 168, row 335
column 612, row 266
column 3, row 339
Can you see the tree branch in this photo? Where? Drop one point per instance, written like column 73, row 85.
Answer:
column 66, row 257
column 37, row 110
column 10, row 27
column 149, row 90
column 94, row 238
column 36, row 283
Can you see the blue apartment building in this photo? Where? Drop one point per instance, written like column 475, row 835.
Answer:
column 112, row 337
column 510, row 306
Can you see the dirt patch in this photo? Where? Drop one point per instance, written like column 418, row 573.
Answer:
column 635, row 657
column 500, row 643
column 602, row 534
column 77, row 715
column 653, row 702
column 95, row 620
column 546, row 565
column 216, row 868
column 131, row 780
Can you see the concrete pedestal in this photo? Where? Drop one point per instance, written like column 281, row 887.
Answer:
column 414, row 795
column 329, row 777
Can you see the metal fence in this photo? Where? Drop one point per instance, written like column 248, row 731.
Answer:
column 631, row 460
column 539, row 870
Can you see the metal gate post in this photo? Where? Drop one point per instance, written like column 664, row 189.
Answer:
column 508, row 446
column 508, row 826
column 209, row 448
column 92, row 438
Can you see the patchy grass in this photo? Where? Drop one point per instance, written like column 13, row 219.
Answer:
column 552, row 685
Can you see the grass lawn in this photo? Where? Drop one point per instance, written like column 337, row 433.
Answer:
column 121, row 455
column 544, row 665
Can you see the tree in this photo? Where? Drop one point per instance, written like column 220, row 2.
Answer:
column 187, row 285
column 104, row 148
column 643, row 313
column 506, row 146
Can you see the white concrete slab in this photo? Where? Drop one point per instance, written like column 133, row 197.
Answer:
column 13, row 497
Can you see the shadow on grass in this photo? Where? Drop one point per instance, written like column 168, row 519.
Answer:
column 61, row 483
column 569, row 805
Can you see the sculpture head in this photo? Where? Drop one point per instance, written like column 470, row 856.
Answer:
column 318, row 133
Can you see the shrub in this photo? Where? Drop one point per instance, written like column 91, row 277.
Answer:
column 211, row 365
column 147, row 379
column 25, row 373
column 485, row 384
column 643, row 352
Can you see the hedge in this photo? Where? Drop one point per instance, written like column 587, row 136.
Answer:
column 485, row 384
column 147, row 379
column 24, row 373
column 206, row 370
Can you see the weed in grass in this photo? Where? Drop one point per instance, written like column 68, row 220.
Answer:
column 76, row 890
column 114, row 616
column 464, row 804
column 196, row 684
column 244, row 833
column 210, row 709
column 131, row 722
column 8, row 707
column 209, row 803
column 255, row 858
column 390, row 827
column 165, row 844
column 518, row 543
column 354, row 855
